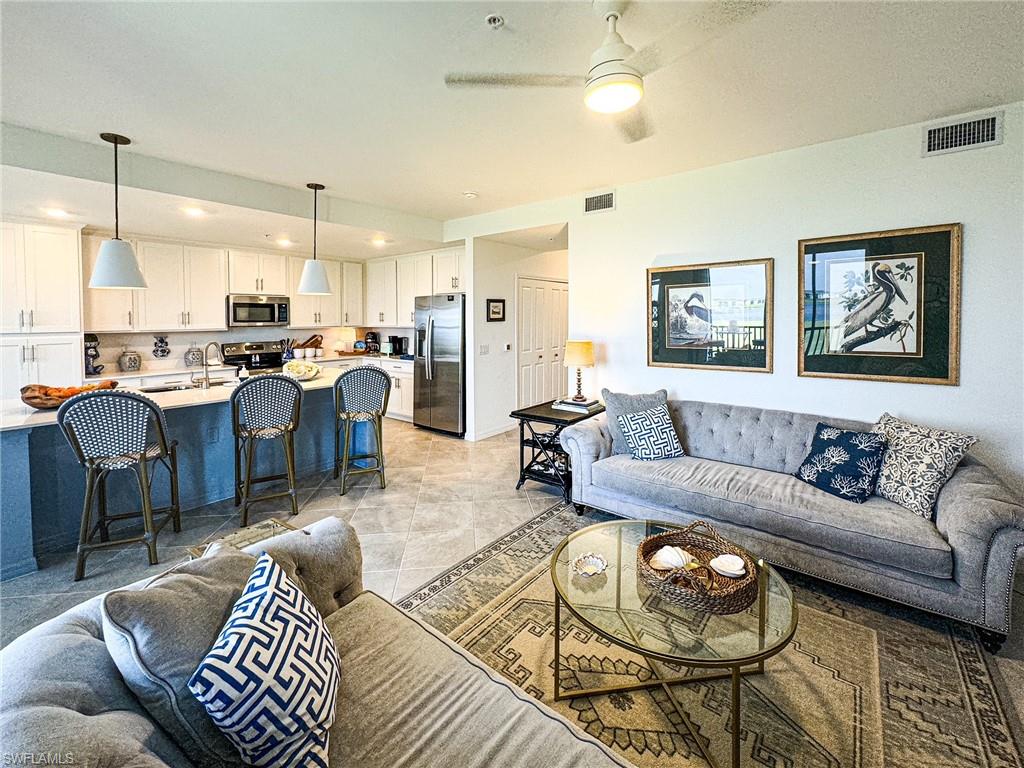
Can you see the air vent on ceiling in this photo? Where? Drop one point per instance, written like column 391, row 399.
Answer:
column 603, row 201
column 980, row 131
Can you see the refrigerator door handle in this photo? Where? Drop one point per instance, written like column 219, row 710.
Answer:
column 429, row 353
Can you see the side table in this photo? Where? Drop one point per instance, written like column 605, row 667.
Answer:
column 541, row 457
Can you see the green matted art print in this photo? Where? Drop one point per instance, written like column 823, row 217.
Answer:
column 714, row 316
column 881, row 306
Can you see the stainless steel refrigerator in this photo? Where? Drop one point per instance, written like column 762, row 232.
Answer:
column 439, row 384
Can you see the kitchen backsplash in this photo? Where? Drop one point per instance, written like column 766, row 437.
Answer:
column 111, row 344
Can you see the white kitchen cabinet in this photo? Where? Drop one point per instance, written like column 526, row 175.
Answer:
column 314, row 311
column 415, row 278
column 381, row 293
column 352, row 294
column 258, row 273
column 400, row 401
column 162, row 303
column 206, row 285
column 105, row 310
column 41, row 267
column 55, row 361
column 448, row 275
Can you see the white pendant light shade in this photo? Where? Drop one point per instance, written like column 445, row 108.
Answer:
column 116, row 267
column 314, row 279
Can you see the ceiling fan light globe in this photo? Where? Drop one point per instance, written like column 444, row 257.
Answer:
column 614, row 92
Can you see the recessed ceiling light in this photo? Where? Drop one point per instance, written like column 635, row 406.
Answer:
column 470, row 194
column 194, row 211
column 380, row 241
column 56, row 213
column 284, row 242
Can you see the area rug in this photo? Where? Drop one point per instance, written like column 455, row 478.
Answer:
column 864, row 684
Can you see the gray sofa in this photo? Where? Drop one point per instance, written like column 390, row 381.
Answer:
column 408, row 696
column 737, row 475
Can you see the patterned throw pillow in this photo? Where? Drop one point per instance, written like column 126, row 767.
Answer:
column 843, row 463
column 270, row 682
column 651, row 435
column 918, row 462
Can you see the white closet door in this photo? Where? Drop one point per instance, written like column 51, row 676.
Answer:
column 542, row 319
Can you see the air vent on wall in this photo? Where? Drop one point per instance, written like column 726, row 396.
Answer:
column 980, row 131
column 603, row 201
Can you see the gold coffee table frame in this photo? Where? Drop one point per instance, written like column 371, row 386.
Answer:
column 733, row 668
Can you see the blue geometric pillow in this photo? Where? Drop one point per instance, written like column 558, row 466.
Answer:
column 651, row 435
column 270, row 682
column 843, row 463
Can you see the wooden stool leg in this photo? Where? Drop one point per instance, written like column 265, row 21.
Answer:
column 337, row 444
column 175, row 501
column 344, row 457
column 238, row 471
column 378, row 429
column 101, row 487
column 289, row 460
column 147, row 511
column 250, row 454
column 83, row 532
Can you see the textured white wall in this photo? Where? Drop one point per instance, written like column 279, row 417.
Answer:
column 760, row 208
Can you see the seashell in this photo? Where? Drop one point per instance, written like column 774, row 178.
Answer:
column 589, row 564
column 668, row 558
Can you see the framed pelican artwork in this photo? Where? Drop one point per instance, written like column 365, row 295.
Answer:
column 716, row 316
column 882, row 306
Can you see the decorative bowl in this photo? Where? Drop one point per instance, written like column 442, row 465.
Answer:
column 44, row 398
column 301, row 370
column 588, row 564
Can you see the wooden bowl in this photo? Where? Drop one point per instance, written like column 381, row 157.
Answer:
column 44, row 398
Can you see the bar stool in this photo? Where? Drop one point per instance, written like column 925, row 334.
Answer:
column 110, row 431
column 360, row 394
column 265, row 407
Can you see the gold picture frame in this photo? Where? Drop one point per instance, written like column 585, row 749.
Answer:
column 746, row 352
column 937, row 320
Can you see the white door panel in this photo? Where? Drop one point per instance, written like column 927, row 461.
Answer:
column 542, row 320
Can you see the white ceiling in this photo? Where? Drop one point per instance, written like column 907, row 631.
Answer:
column 551, row 237
column 352, row 93
column 143, row 212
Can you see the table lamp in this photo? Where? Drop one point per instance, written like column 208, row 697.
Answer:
column 346, row 336
column 579, row 355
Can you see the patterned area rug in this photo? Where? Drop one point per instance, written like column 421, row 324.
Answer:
column 864, row 683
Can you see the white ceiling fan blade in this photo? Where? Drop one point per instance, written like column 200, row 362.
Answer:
column 510, row 80
column 694, row 33
column 634, row 125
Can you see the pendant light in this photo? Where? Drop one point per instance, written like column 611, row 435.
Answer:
column 314, row 277
column 116, row 266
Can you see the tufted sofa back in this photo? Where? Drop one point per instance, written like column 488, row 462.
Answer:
column 753, row 437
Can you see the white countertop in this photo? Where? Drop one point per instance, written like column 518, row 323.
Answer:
column 150, row 372
column 16, row 415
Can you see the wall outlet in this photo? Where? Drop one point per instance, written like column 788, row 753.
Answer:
column 485, row 349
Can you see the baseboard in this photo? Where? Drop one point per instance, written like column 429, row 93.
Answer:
column 490, row 432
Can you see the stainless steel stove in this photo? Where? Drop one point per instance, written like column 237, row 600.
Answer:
column 256, row 356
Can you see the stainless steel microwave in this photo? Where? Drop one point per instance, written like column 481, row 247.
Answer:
column 258, row 310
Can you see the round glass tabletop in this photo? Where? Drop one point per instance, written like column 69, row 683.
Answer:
column 618, row 605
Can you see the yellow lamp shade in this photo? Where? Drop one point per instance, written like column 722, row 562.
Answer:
column 346, row 334
column 579, row 354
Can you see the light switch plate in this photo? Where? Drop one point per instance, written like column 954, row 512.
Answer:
column 485, row 349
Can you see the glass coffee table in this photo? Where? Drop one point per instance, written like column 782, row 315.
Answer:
column 619, row 607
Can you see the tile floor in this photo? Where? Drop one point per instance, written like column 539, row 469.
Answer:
column 445, row 499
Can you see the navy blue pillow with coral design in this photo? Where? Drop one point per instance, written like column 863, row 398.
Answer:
column 843, row 463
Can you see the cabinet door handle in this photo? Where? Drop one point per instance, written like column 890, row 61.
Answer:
column 129, row 317
column 21, row 318
column 31, row 319
column 346, row 317
column 188, row 318
column 540, row 357
column 33, row 353
column 456, row 281
column 23, row 360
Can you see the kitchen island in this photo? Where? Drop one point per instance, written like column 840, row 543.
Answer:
column 42, row 486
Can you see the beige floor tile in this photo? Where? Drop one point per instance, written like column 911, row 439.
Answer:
column 443, row 516
column 502, row 512
column 382, row 551
column 381, row 582
column 410, row 579
column 390, row 517
column 434, row 491
column 437, row 549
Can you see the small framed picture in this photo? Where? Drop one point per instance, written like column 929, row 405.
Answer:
column 495, row 310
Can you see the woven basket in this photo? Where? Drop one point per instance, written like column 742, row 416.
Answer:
column 700, row 588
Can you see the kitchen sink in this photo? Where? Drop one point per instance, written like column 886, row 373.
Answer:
column 181, row 387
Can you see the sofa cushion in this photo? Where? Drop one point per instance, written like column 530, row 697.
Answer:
column 776, row 503
column 617, row 404
column 158, row 635
column 415, row 699
column 843, row 462
column 918, row 462
column 650, row 435
column 270, row 681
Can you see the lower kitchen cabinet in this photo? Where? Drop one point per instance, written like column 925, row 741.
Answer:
column 400, row 402
column 55, row 361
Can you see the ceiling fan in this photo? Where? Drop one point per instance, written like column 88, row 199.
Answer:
column 614, row 84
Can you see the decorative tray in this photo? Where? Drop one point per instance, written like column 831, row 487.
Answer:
column 698, row 586
column 44, row 398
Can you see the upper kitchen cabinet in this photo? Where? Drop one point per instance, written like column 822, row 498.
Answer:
column 206, row 286
column 415, row 278
column 104, row 310
column 381, row 293
column 314, row 311
column 352, row 293
column 186, row 287
column 260, row 273
column 41, row 279
column 448, row 271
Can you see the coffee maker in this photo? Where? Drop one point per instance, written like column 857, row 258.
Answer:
column 372, row 343
column 399, row 345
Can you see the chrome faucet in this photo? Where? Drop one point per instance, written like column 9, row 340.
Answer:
column 204, row 383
